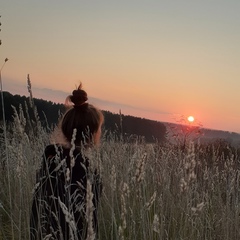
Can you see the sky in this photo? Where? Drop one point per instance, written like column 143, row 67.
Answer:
column 154, row 59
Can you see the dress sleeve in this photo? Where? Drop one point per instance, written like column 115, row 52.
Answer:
column 97, row 191
column 39, row 191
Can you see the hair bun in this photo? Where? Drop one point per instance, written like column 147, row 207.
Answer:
column 78, row 96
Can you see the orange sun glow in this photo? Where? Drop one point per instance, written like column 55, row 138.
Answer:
column 191, row 119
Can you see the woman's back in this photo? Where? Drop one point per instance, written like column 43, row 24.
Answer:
column 59, row 202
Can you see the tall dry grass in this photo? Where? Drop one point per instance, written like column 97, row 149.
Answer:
column 150, row 191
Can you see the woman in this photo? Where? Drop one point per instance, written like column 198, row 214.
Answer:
column 63, row 194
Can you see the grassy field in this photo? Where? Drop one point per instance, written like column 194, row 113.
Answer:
column 150, row 191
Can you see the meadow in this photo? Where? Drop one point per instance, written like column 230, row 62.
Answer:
column 150, row 191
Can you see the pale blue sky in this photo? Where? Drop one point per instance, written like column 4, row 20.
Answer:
column 165, row 58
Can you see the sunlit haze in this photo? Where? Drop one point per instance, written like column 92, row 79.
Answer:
column 154, row 59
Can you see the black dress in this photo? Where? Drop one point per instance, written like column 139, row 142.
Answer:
column 59, row 198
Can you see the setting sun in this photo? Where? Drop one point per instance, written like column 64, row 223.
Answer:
column 191, row 119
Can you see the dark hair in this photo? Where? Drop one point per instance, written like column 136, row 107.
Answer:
column 82, row 116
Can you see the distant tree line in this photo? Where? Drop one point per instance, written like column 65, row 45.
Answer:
column 48, row 111
column 126, row 127
column 130, row 127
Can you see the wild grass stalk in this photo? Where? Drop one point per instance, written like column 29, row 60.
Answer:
column 5, row 162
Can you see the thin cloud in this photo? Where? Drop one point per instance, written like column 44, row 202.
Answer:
column 59, row 96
